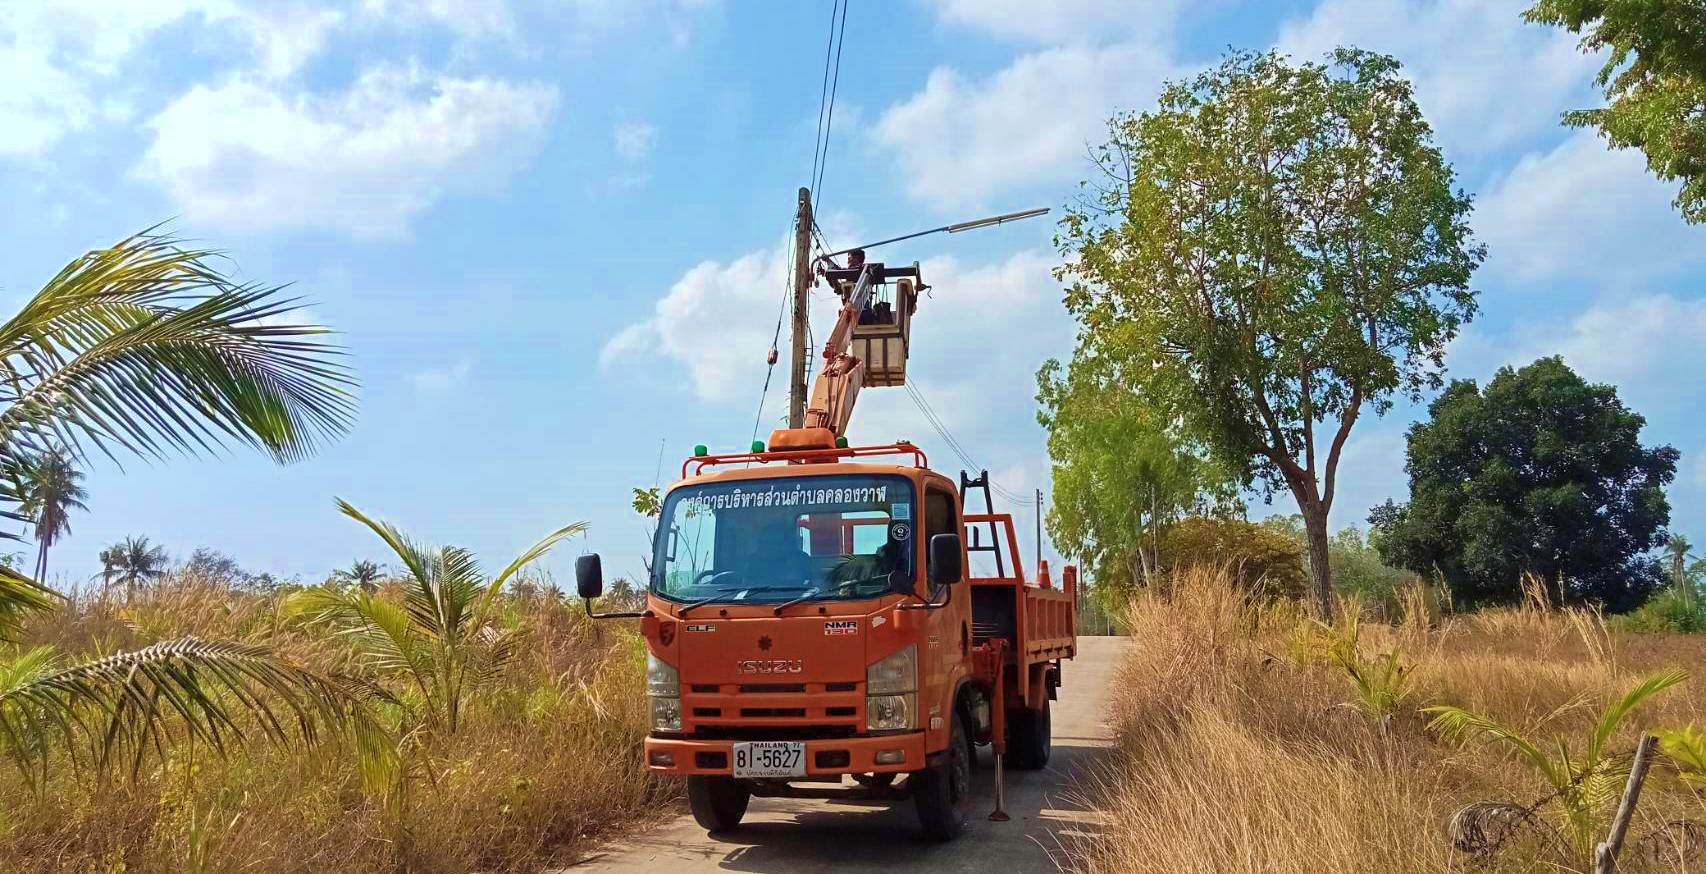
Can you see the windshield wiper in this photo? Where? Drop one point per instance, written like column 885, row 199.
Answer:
column 699, row 603
column 722, row 592
column 836, row 592
column 809, row 596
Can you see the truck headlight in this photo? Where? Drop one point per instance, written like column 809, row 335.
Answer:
column 663, row 685
column 888, row 712
column 666, row 714
column 891, row 685
column 662, row 679
column 895, row 674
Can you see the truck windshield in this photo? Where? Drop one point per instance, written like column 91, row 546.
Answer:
column 774, row 540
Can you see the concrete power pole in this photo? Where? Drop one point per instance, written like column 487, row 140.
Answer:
column 802, row 306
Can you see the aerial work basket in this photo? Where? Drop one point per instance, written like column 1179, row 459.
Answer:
column 882, row 336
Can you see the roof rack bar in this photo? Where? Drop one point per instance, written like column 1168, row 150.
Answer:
column 803, row 455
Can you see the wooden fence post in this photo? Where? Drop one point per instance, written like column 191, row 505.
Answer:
column 1605, row 855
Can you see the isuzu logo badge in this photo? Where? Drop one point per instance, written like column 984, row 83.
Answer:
column 770, row 666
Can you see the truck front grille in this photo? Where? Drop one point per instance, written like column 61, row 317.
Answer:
column 770, row 688
column 772, row 732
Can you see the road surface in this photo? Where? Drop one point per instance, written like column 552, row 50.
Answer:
column 788, row 835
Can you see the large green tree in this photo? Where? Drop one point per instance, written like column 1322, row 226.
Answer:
column 1122, row 474
column 1541, row 473
column 1654, row 80
column 1273, row 251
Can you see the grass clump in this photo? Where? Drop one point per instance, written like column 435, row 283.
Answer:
column 542, row 757
column 1251, row 739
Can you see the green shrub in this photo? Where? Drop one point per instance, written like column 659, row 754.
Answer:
column 1264, row 562
column 1668, row 611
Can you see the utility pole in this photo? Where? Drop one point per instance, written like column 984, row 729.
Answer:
column 802, row 306
column 1039, row 506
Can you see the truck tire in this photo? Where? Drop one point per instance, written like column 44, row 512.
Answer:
column 717, row 802
column 1030, row 738
column 942, row 793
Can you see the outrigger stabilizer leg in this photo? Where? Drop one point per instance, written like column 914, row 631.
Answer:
column 998, row 743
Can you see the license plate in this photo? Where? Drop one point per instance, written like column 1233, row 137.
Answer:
column 770, row 759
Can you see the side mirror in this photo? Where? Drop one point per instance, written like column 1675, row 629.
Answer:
column 944, row 559
column 589, row 576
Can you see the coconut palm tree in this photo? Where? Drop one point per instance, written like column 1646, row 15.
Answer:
column 133, row 561
column 362, row 573
column 146, row 348
column 1582, row 783
column 441, row 641
column 52, row 489
column 1677, row 550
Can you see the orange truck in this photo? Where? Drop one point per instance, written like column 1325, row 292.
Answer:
column 813, row 621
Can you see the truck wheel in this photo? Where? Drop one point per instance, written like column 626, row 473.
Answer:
column 941, row 793
column 718, row 803
column 1029, row 738
column 964, row 714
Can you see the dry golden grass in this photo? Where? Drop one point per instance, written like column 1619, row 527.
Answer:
column 1239, row 752
column 548, row 759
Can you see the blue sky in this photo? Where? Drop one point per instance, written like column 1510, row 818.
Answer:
column 552, row 233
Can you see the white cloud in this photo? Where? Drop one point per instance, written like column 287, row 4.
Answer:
column 439, row 380
column 1483, row 77
column 1651, row 346
column 50, row 57
column 1581, row 211
column 962, row 140
column 287, row 36
column 248, row 155
column 58, row 60
column 635, row 141
column 693, row 326
column 1059, row 21
column 464, row 18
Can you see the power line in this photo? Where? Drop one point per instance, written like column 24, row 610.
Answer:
column 941, row 429
column 775, row 339
column 827, row 91
column 823, row 92
column 829, row 120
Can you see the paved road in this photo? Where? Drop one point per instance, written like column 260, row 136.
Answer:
column 787, row 835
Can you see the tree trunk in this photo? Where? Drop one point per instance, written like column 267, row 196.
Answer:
column 1320, row 569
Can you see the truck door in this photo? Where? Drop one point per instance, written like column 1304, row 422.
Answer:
column 949, row 641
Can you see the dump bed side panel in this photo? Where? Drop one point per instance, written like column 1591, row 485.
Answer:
column 1039, row 622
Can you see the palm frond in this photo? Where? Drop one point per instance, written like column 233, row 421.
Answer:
column 148, row 348
column 1622, row 707
column 20, row 597
column 26, row 668
column 416, row 559
column 1686, row 748
column 533, row 553
column 1456, row 723
column 129, row 704
column 381, row 631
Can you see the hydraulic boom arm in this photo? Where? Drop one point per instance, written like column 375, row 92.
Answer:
column 837, row 384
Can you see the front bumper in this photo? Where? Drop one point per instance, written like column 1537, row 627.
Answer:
column 850, row 755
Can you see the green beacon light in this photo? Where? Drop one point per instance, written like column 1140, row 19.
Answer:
column 841, row 443
column 758, row 446
column 700, row 451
